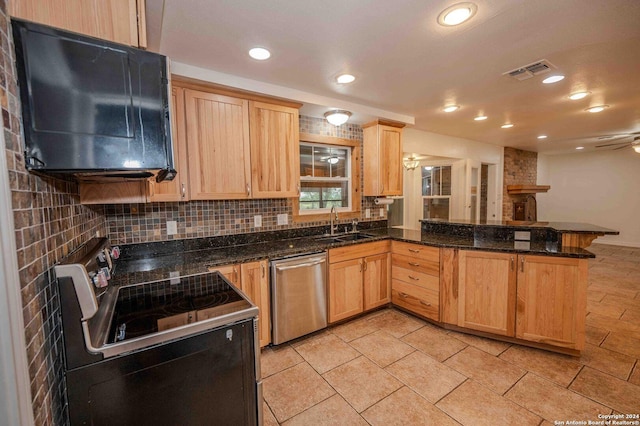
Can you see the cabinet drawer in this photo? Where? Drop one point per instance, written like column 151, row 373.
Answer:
column 356, row 251
column 419, row 279
column 415, row 264
column 416, row 299
column 416, row 250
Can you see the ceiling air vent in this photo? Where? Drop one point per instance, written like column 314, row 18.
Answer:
column 527, row 71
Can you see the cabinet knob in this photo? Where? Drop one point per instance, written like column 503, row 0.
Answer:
column 248, row 190
column 414, row 251
column 404, row 295
column 522, row 264
column 183, row 191
column 414, row 264
column 414, row 278
column 422, row 302
column 512, row 263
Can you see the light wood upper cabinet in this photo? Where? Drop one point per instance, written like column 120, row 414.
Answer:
column 218, row 146
column 551, row 300
column 121, row 21
column 254, row 280
column 275, row 150
column 487, row 288
column 178, row 188
column 382, row 158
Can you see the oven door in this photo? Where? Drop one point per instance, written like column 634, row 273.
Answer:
column 208, row 378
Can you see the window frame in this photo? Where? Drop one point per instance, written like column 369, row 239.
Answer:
column 329, row 179
column 427, row 197
column 355, row 180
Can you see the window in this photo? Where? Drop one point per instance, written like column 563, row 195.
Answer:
column 329, row 177
column 436, row 192
column 325, row 177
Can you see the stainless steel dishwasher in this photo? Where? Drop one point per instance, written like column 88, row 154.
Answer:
column 298, row 296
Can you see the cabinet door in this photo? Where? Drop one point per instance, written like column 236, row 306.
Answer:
column 382, row 160
column 391, row 160
column 177, row 189
column 218, row 146
column 115, row 20
column 377, row 285
column 345, row 289
column 487, row 291
column 275, row 151
column 230, row 272
column 552, row 298
column 255, row 284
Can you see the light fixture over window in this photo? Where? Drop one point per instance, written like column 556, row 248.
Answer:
column 410, row 163
column 337, row 117
column 259, row 53
column 333, row 159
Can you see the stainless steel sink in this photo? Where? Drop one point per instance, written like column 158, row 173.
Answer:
column 341, row 238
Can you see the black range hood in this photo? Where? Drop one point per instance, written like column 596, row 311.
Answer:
column 92, row 108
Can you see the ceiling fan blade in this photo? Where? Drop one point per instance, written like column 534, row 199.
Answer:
column 611, row 144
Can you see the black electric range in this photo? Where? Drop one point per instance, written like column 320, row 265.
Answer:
column 156, row 352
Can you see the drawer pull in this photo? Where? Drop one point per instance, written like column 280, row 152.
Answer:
column 414, row 264
column 414, row 278
column 404, row 295
column 414, row 251
column 425, row 303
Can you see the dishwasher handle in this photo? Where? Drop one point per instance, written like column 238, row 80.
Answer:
column 300, row 265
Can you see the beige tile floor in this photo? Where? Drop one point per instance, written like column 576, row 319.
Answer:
column 390, row 368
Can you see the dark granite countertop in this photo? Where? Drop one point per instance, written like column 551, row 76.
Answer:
column 562, row 227
column 156, row 261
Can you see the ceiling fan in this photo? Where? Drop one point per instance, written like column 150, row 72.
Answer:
column 622, row 141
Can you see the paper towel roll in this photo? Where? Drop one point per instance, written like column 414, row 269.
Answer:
column 383, row 201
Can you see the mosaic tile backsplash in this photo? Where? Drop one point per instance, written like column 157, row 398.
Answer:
column 138, row 223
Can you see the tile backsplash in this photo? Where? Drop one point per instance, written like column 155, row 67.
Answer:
column 138, row 223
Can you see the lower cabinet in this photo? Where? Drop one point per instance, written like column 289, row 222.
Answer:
column 415, row 283
column 540, row 299
column 487, row 291
column 253, row 279
column 552, row 300
column 358, row 279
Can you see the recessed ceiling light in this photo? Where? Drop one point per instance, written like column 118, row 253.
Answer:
column 259, row 53
column 578, row 95
column 597, row 108
column 481, row 117
column 451, row 108
column 542, row 137
column 345, row 79
column 457, row 14
column 507, row 126
column 553, row 79
column 579, row 147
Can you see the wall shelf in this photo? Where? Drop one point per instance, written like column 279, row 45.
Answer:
column 527, row 189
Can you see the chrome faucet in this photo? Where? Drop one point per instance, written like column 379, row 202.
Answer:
column 333, row 215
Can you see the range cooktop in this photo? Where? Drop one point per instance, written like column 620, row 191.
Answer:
column 149, row 308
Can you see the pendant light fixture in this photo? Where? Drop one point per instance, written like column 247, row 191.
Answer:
column 337, row 117
column 410, row 163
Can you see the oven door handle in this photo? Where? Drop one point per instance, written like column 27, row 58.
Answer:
column 300, row 265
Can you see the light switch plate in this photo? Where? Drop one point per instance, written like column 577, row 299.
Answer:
column 283, row 219
column 257, row 221
column 367, row 213
column 172, row 227
column 381, row 211
column 174, row 277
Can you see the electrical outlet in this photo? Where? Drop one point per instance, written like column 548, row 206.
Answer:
column 172, row 227
column 174, row 277
column 257, row 221
column 381, row 211
column 283, row 219
column 367, row 213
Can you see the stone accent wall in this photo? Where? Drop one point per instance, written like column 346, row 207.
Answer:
column 136, row 223
column 49, row 223
column 520, row 168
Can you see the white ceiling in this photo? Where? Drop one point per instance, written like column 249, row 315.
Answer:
column 408, row 66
